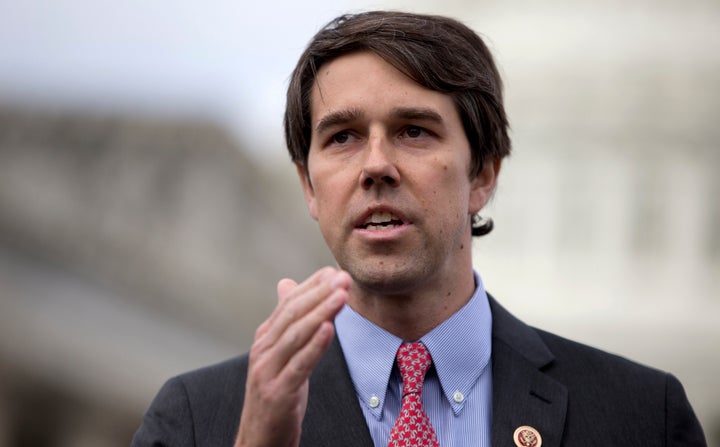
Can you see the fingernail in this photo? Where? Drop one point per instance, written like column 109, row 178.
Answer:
column 326, row 274
column 334, row 301
column 339, row 280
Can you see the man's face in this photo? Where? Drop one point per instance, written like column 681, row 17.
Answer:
column 388, row 176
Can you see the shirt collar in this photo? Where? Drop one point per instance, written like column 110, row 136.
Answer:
column 370, row 354
column 460, row 348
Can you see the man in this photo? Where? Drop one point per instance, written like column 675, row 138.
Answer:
column 396, row 125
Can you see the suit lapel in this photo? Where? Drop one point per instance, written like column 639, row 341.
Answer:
column 333, row 416
column 522, row 393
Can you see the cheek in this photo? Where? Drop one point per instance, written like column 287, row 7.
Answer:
column 328, row 187
column 455, row 186
column 446, row 197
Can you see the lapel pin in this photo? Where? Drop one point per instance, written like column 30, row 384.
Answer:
column 527, row 436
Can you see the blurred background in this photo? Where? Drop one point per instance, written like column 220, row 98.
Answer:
column 148, row 207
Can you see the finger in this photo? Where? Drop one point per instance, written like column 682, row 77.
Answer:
column 262, row 329
column 309, row 283
column 300, row 333
column 284, row 287
column 273, row 358
column 300, row 366
column 296, row 307
column 287, row 289
column 300, row 300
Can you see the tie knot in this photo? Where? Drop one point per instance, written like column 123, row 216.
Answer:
column 413, row 361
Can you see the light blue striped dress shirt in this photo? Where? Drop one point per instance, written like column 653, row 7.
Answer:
column 457, row 394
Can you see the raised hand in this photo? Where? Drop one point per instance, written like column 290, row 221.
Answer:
column 287, row 347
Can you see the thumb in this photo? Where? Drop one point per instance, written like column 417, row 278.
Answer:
column 284, row 287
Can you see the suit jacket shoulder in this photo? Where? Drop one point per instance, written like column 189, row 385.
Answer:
column 199, row 408
column 203, row 407
column 574, row 394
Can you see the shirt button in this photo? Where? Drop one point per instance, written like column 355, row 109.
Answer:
column 458, row 397
column 374, row 401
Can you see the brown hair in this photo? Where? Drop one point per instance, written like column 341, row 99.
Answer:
column 437, row 52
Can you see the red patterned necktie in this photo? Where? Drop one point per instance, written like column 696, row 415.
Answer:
column 412, row 427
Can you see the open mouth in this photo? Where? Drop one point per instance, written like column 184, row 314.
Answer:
column 381, row 220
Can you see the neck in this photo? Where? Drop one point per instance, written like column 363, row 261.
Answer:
column 412, row 314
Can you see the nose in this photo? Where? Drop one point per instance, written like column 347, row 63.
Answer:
column 378, row 166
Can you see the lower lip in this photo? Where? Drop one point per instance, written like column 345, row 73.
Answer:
column 383, row 235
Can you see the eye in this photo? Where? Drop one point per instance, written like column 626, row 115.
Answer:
column 340, row 137
column 414, row 131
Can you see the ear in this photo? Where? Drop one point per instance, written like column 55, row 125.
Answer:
column 483, row 186
column 307, row 189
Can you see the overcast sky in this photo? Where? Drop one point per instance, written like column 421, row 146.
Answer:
column 229, row 60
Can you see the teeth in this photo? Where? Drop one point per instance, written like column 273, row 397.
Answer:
column 382, row 220
column 381, row 217
column 381, row 227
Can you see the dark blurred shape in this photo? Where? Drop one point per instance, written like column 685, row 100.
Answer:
column 130, row 250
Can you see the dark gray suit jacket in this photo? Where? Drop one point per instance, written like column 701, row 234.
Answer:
column 572, row 394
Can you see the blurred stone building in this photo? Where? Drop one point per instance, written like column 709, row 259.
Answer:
column 130, row 250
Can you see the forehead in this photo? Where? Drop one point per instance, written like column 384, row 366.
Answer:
column 366, row 82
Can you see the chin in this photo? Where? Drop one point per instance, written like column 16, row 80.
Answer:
column 384, row 280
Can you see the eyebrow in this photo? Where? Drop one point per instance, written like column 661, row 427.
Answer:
column 339, row 117
column 417, row 113
column 346, row 116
